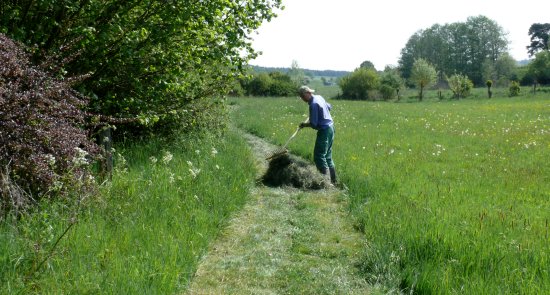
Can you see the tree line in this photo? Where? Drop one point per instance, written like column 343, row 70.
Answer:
column 459, row 56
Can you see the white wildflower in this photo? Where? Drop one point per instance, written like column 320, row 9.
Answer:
column 121, row 160
column 167, row 157
column 214, row 152
column 80, row 157
column 153, row 159
column 190, row 163
column 197, row 152
column 171, row 179
column 194, row 172
column 50, row 159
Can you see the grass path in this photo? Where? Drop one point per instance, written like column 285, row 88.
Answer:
column 285, row 241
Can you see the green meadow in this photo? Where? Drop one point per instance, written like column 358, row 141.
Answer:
column 453, row 196
column 142, row 233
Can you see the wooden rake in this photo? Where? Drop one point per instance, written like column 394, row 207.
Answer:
column 282, row 151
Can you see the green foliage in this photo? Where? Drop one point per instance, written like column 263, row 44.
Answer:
column 460, row 85
column 269, row 84
column 296, row 74
column 540, row 36
column 259, row 85
column 148, row 58
column 390, row 83
column 367, row 64
column 502, row 70
column 539, row 68
column 514, row 89
column 423, row 75
column 356, row 86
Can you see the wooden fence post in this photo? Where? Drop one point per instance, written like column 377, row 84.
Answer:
column 106, row 140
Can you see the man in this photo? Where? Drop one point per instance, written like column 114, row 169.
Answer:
column 320, row 120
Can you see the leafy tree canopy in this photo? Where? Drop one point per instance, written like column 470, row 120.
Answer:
column 147, row 58
column 540, row 34
column 358, row 84
column 423, row 75
column 539, row 68
column 456, row 47
column 367, row 65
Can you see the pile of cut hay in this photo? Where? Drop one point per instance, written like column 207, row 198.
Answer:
column 285, row 170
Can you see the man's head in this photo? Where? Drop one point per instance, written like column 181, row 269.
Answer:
column 305, row 93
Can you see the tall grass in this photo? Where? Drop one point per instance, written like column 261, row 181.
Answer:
column 453, row 196
column 145, row 231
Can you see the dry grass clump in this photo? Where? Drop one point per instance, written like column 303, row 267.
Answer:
column 289, row 171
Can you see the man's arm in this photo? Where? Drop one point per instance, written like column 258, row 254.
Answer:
column 314, row 115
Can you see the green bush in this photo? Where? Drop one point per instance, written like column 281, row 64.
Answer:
column 514, row 89
column 272, row 84
column 460, row 85
column 356, row 86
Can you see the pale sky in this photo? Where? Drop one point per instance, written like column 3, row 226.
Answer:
column 340, row 35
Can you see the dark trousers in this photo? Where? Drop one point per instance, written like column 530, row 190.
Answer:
column 322, row 153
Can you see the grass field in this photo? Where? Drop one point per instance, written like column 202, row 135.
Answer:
column 145, row 231
column 453, row 196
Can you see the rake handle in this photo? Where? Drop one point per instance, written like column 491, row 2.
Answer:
column 294, row 134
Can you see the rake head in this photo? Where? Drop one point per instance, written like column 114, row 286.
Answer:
column 277, row 153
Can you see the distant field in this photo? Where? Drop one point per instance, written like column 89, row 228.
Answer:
column 453, row 196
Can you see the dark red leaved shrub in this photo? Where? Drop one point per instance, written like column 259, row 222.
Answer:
column 42, row 142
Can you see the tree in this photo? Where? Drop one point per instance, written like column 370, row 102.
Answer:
column 367, row 65
column 391, row 83
column 539, row 68
column 282, row 85
column 409, row 54
column 456, row 47
column 147, row 58
column 423, row 75
column 296, row 73
column 460, row 85
column 357, row 85
column 260, row 85
column 505, row 67
column 540, row 34
column 501, row 70
column 489, row 84
column 486, row 40
column 269, row 84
